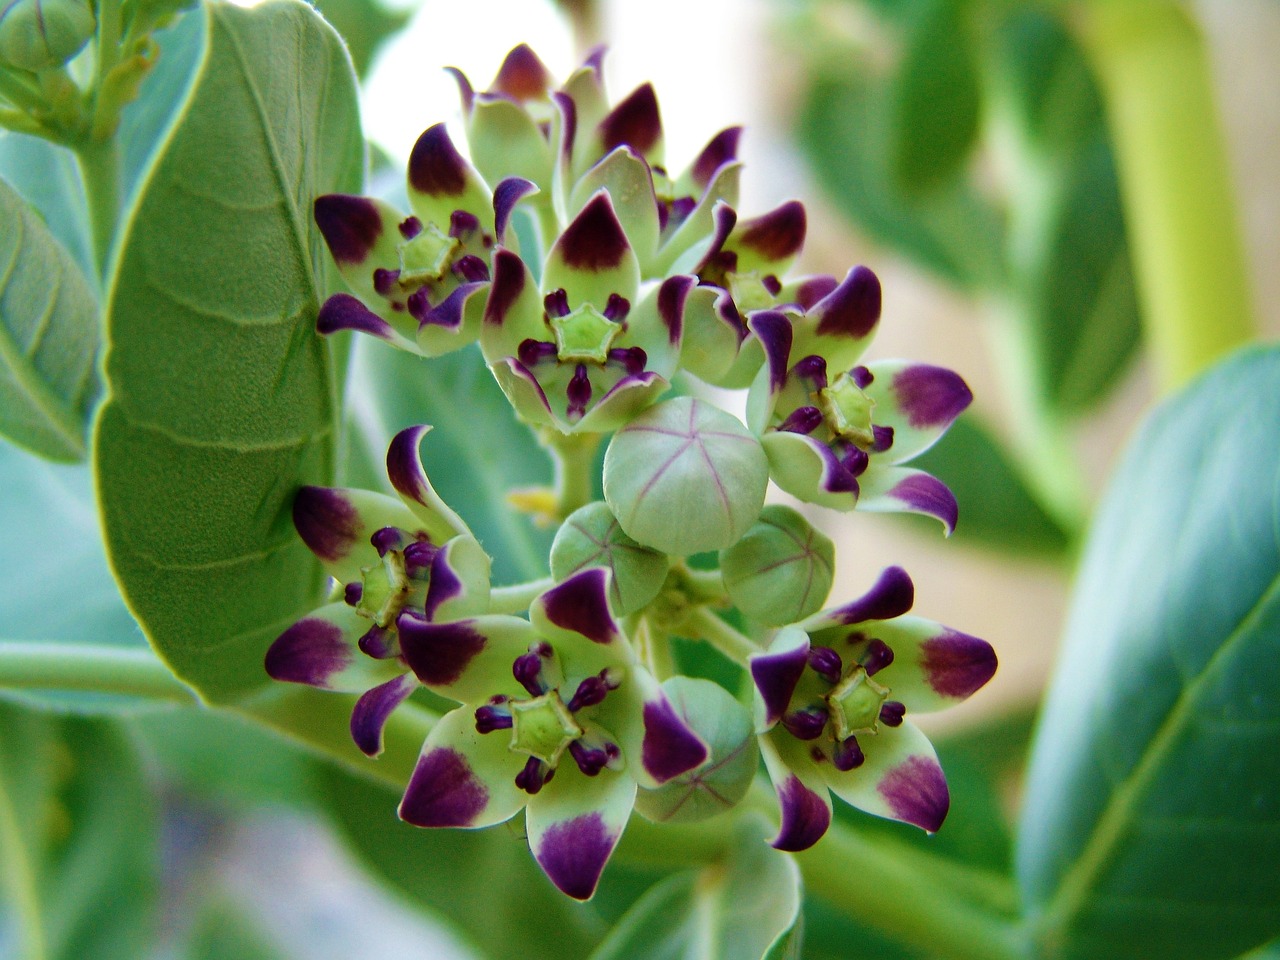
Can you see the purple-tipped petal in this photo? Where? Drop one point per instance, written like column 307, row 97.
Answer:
column 773, row 330
column 505, row 197
column 724, row 218
column 913, row 491
column 806, row 815
column 672, row 297
column 931, row 397
column 802, row 420
column 466, row 92
column 509, row 273
column 670, row 746
column 449, row 312
column 344, row 312
column 443, row 791
column 891, row 596
column 777, row 671
column 409, row 478
column 916, row 792
column 372, row 710
column 573, row 854
column 436, row 168
column 852, row 309
column 812, row 290
column 581, row 605
column 350, row 226
column 522, row 75
column 595, row 240
column 327, row 521
column 634, row 122
column 774, row 236
column 722, row 149
column 957, row 664
column 568, row 123
column 439, row 653
column 312, row 651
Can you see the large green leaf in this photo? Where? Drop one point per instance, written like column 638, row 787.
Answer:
column 47, row 178
column 745, row 908
column 223, row 398
column 48, row 337
column 77, row 838
column 1151, row 824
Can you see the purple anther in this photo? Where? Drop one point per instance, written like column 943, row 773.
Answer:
column 533, row 776
column 617, row 308
column 848, row 755
column 352, row 593
column 387, row 538
column 379, row 643
column 530, row 352
column 556, row 303
column 633, row 359
column 527, row 669
column 471, row 269
column 826, row 663
column 671, row 215
column 578, row 392
column 876, row 657
column 491, row 717
column 883, row 439
column 806, row 724
column 417, row 558
column 772, row 284
column 590, row 691
column 590, row 760
column 861, row 377
column 419, row 304
column 812, row 368
column 891, row 713
column 385, row 280
column 855, row 460
column 802, row 420
column 462, row 223
column 410, row 227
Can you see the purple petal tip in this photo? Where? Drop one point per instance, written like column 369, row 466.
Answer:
column 581, row 604
column 916, row 792
column 805, row 817
column 436, row 167
column 892, row 595
column 957, row 664
column 573, row 854
column 327, row 522
column 443, row 791
column 931, row 396
column 595, row 239
column 852, row 309
column 350, row 225
column 438, row 653
column 634, row 122
column 310, row 652
column 670, row 747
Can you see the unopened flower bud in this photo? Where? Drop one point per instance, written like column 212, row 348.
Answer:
column 781, row 570
column 592, row 537
column 685, row 477
column 39, row 34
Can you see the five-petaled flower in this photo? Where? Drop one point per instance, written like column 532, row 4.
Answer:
column 389, row 556
column 556, row 715
column 833, row 692
column 836, row 432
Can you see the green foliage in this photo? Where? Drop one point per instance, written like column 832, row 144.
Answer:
column 1149, row 820
column 77, row 839
column 745, row 908
column 222, row 397
column 48, row 337
column 364, row 25
column 47, row 179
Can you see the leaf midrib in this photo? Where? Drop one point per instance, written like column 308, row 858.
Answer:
column 1075, row 889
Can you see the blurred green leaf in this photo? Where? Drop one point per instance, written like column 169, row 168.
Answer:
column 46, row 177
column 746, row 908
column 77, row 837
column 1069, row 255
column 997, row 508
column 841, row 129
column 223, row 398
column 364, row 25
column 476, row 453
column 935, row 100
column 1151, row 824
column 48, row 337
column 224, row 932
column 483, row 881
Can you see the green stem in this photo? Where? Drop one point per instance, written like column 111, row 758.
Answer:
column 19, row 879
column 517, row 597
column 30, row 665
column 22, row 92
column 1175, row 178
column 100, row 171
column 705, row 625
column 573, row 457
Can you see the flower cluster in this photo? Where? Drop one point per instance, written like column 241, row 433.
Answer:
column 589, row 278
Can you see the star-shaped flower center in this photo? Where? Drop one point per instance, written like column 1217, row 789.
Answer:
column 543, row 727
column 855, row 703
column 584, row 335
column 847, row 411
column 427, row 257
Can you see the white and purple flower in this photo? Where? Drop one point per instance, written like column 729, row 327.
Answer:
column 832, row 695
column 557, row 717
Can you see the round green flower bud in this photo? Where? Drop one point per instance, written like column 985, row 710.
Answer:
column 592, row 537
column 38, row 34
column 725, row 776
column 781, row 571
column 684, row 477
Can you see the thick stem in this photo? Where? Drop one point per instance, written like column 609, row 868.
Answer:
column 1175, row 178
column 705, row 625
column 573, row 456
column 517, row 597
column 100, row 171
column 85, row 666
